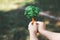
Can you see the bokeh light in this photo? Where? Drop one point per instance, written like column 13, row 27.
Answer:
column 7, row 5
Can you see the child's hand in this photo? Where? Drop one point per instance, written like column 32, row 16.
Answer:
column 33, row 31
column 48, row 34
column 32, row 28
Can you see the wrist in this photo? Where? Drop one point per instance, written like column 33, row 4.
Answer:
column 33, row 36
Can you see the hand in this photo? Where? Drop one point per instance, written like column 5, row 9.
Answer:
column 33, row 31
column 50, row 35
column 32, row 28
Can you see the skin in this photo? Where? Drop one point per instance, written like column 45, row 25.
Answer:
column 41, row 28
column 33, row 31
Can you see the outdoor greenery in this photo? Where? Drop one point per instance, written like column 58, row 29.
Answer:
column 14, row 24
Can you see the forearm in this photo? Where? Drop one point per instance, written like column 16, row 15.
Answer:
column 33, row 36
column 47, row 34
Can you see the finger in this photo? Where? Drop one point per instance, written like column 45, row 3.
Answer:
column 41, row 24
column 31, row 26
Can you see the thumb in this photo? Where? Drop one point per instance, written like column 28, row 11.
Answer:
column 30, row 26
column 41, row 25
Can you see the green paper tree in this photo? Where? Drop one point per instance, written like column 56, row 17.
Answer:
column 31, row 11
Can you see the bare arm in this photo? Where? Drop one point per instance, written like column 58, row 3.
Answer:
column 46, row 33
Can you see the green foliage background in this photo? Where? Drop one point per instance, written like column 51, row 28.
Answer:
column 13, row 20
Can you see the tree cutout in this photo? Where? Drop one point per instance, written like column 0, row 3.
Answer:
column 31, row 12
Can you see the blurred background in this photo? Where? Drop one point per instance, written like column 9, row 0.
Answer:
column 14, row 24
